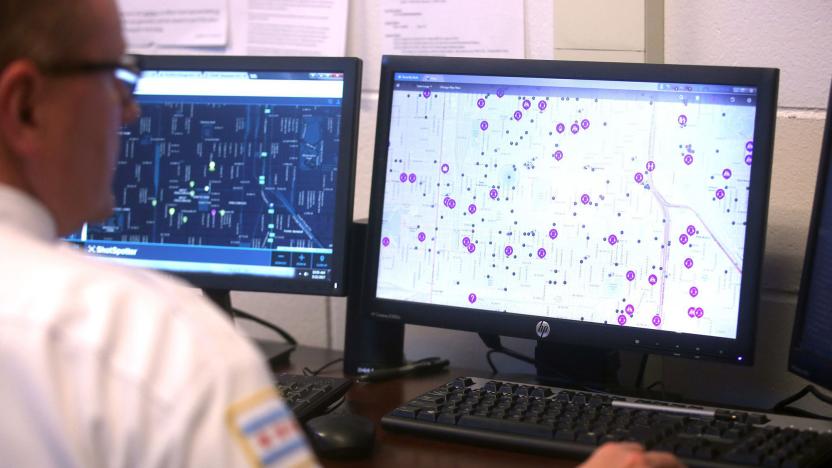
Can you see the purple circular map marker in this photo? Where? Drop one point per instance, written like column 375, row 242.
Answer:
column 403, row 177
column 612, row 239
column 694, row 291
column 574, row 128
column 518, row 115
column 657, row 320
column 541, row 252
column 500, row 92
column 412, row 178
column 699, row 312
column 472, row 298
column 385, row 241
column 472, row 208
column 650, row 166
column 472, row 247
column 622, row 320
column 585, row 199
column 748, row 159
column 631, row 275
column 688, row 263
column 541, row 105
column 749, row 146
column 466, row 241
column 446, row 201
column 421, row 237
column 726, row 174
column 526, row 104
column 451, row 203
column 493, row 193
column 484, row 125
column 683, row 239
column 720, row 194
column 553, row 233
column 480, row 103
column 691, row 229
column 688, row 159
column 585, row 124
column 629, row 309
column 691, row 312
column 560, row 127
column 558, row 155
column 426, row 93
column 445, row 168
column 508, row 250
column 652, row 279
column 639, row 177
column 683, row 120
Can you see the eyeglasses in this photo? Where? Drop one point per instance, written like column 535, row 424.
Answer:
column 126, row 70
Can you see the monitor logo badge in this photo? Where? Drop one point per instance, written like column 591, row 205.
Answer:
column 542, row 329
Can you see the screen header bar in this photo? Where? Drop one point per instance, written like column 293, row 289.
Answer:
column 225, row 83
column 428, row 78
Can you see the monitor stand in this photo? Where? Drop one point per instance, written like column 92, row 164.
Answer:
column 561, row 363
column 276, row 352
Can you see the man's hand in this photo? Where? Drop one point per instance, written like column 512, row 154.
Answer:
column 629, row 455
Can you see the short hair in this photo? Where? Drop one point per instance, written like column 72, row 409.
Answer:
column 40, row 30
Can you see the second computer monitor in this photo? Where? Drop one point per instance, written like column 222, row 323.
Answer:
column 811, row 346
column 615, row 205
column 238, row 174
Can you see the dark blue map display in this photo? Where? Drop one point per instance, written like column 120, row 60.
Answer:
column 243, row 173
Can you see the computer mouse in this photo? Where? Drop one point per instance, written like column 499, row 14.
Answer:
column 341, row 435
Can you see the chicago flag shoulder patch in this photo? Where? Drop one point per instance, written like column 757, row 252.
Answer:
column 266, row 432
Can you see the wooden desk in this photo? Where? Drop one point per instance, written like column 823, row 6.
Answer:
column 374, row 400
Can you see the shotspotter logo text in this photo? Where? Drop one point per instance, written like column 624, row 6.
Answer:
column 112, row 251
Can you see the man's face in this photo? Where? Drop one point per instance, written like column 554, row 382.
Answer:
column 82, row 115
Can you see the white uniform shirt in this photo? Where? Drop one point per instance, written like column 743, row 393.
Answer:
column 102, row 365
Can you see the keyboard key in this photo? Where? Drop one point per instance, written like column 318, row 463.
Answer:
column 491, row 386
column 448, row 418
column 523, row 391
column 542, row 392
column 462, row 382
column 408, row 412
column 427, row 415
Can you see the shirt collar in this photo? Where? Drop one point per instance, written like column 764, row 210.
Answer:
column 21, row 210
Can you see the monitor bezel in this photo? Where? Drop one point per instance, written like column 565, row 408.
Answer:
column 803, row 362
column 738, row 351
column 351, row 68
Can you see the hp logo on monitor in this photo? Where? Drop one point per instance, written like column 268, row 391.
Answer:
column 542, row 329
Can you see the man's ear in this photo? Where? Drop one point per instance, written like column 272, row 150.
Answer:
column 19, row 83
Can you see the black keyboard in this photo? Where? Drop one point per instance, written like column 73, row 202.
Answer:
column 309, row 396
column 552, row 420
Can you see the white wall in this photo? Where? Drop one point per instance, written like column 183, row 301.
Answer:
column 793, row 36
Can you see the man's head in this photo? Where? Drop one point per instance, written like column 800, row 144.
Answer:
column 61, row 105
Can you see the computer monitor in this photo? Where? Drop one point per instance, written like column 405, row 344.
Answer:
column 239, row 174
column 604, row 204
column 811, row 346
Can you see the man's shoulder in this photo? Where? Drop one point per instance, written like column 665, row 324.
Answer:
column 145, row 326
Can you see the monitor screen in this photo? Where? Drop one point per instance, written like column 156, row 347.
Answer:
column 811, row 348
column 238, row 174
column 620, row 202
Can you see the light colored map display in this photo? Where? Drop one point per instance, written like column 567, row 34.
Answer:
column 608, row 202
